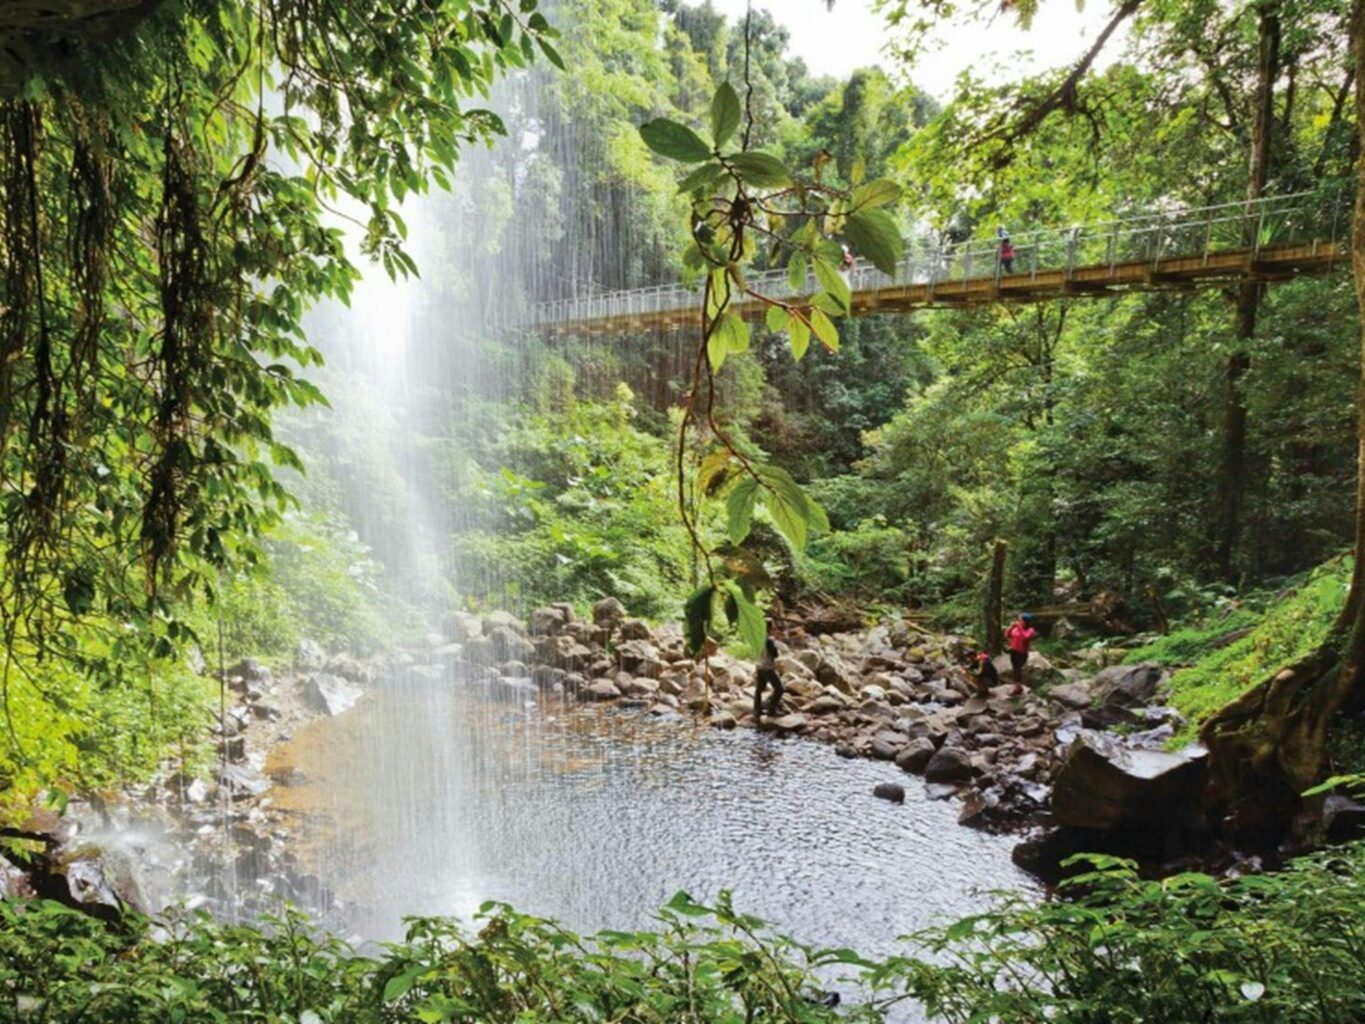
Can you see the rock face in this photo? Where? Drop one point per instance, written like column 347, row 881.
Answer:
column 1104, row 785
column 330, row 694
column 1127, row 685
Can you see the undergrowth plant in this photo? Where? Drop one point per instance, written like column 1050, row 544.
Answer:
column 1286, row 948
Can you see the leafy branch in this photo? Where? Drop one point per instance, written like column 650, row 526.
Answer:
column 748, row 205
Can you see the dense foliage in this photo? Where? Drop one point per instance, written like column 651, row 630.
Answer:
column 1283, row 948
column 168, row 212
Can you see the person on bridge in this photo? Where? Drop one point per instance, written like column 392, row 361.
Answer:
column 765, row 675
column 1018, row 638
column 847, row 259
column 1006, row 252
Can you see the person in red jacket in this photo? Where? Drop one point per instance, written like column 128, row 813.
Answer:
column 1006, row 253
column 1018, row 638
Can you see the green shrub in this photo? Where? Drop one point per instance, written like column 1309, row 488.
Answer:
column 1281, row 948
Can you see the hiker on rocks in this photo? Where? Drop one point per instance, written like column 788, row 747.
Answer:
column 1018, row 638
column 763, row 677
column 983, row 672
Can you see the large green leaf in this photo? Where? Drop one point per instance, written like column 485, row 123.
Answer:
column 875, row 235
column 739, row 509
column 777, row 319
column 675, row 141
column 725, row 113
column 697, row 618
column 753, row 626
column 730, row 335
column 881, row 192
column 799, row 332
column 833, row 282
column 824, row 329
column 762, row 170
column 796, row 271
column 704, row 175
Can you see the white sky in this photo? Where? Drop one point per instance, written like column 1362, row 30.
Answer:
column 851, row 36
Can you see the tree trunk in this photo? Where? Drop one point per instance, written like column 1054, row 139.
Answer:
column 1271, row 744
column 995, row 601
column 1232, row 476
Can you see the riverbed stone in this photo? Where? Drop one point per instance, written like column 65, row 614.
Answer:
column 500, row 620
column 638, row 686
column 479, row 650
column 1127, row 685
column 510, row 645
column 330, row 694
column 636, row 629
column 826, row 703
column 549, row 620
column 794, row 722
column 1071, row 695
column 722, row 720
column 915, row 755
column 949, row 764
column 600, row 690
column 608, row 613
column 309, row 654
column 891, row 791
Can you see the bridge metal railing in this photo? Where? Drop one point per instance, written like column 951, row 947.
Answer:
column 1319, row 218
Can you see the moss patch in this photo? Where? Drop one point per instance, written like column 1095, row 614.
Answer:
column 1216, row 672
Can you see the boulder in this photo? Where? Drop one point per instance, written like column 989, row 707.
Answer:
column 509, row 644
column 831, row 671
column 563, row 651
column 638, row 687
column 636, row 629
column 549, row 621
column 250, row 674
column 1071, row 695
column 915, row 755
column 479, row 650
column 887, row 744
column 1103, row 784
column 600, row 690
column 949, row 764
column 1127, row 685
column 608, row 613
column 242, row 782
column 460, row 626
column 309, row 654
column 788, row 723
column 640, row 657
column 330, row 694
column 892, row 791
column 722, row 720
column 826, row 704
column 495, row 621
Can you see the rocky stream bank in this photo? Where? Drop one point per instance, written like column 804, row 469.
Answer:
column 1075, row 761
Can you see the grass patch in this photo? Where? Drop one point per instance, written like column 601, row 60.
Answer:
column 1287, row 630
column 1187, row 646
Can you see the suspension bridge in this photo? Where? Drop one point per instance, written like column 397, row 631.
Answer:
column 1273, row 239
